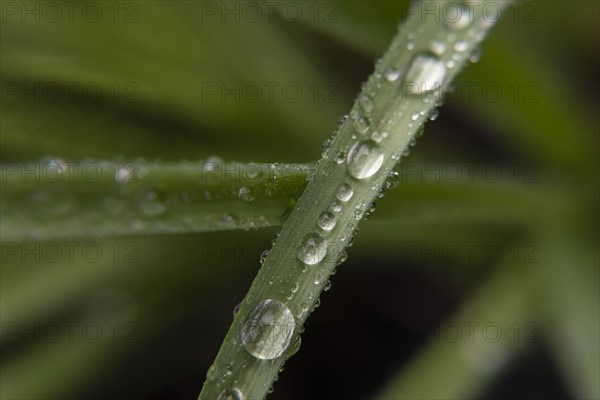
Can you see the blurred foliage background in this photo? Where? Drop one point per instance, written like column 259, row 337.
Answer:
column 397, row 323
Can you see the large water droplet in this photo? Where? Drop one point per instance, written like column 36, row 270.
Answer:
column 426, row 73
column 313, row 249
column 268, row 330
column 327, row 221
column 231, row 394
column 344, row 192
column 364, row 159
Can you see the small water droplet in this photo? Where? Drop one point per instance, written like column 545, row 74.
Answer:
column 327, row 221
column 327, row 286
column 434, row 114
column 366, row 102
column 294, row 288
column 425, row 74
column 475, row 55
column 438, row 47
column 340, row 157
column 231, row 394
column 343, row 258
column 268, row 331
column 336, row 206
column 294, row 347
column 245, row 193
column 364, row 159
column 344, row 192
column 362, row 124
column 415, row 116
column 313, row 249
column 379, row 136
column 461, row 46
column 263, row 256
column 450, row 64
column 317, row 303
column 458, row 18
column 391, row 74
column 342, row 120
column 237, row 308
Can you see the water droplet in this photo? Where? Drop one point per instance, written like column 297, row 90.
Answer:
column 426, row 73
column 366, row 102
column 313, row 249
column 294, row 347
column 342, row 120
column 294, row 288
column 245, row 193
column 450, row 64
column 317, row 303
column 461, row 46
column 410, row 45
column 231, row 394
column 434, row 114
column 379, row 136
column 362, row 124
column 364, row 159
column 268, row 331
column 415, row 116
column 458, row 18
column 327, row 286
column 343, row 258
column 336, row 206
column 475, row 55
column 263, row 256
column 438, row 47
column 340, row 157
column 391, row 74
column 152, row 206
column 344, row 192
column 236, row 309
column 327, row 221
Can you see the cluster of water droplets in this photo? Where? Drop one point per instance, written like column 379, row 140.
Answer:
column 270, row 330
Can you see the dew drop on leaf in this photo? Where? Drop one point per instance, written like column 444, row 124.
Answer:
column 231, row 394
column 344, row 192
column 327, row 221
column 362, row 124
column 391, row 74
column 313, row 249
column 425, row 74
column 364, row 159
column 268, row 331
